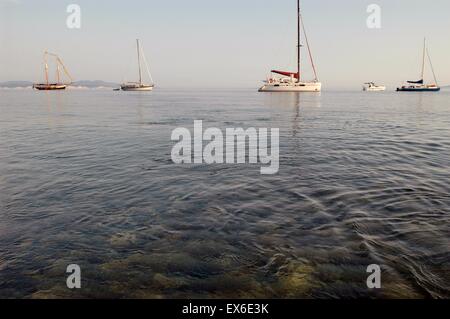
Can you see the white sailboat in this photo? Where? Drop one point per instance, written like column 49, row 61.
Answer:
column 292, row 81
column 139, row 86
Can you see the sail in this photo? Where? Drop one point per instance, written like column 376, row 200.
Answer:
column 294, row 74
column 416, row 82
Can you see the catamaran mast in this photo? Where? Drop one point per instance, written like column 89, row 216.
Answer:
column 139, row 61
column 299, row 44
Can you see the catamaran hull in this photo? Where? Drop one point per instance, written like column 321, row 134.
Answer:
column 297, row 87
column 418, row 89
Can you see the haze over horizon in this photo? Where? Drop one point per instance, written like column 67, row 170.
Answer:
column 231, row 44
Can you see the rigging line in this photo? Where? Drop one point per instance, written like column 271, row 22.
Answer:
column 309, row 49
column 65, row 70
column 146, row 66
column 432, row 68
column 423, row 61
column 129, row 70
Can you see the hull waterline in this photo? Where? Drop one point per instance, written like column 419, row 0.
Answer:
column 418, row 89
column 44, row 87
column 137, row 89
column 302, row 87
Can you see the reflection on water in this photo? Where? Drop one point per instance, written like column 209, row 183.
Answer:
column 294, row 101
column 86, row 178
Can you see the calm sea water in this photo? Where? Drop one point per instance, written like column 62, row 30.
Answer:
column 86, row 178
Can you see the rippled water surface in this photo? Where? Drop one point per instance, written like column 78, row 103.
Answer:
column 86, row 178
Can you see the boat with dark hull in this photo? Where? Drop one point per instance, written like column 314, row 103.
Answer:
column 420, row 86
column 423, row 88
column 58, row 86
column 49, row 87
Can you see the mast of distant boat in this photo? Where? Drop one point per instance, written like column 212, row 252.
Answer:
column 58, row 75
column 300, row 26
column 423, row 61
column 299, row 38
column 139, row 61
column 46, row 67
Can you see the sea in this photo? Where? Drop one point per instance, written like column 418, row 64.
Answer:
column 87, row 179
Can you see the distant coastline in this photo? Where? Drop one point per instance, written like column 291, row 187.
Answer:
column 85, row 84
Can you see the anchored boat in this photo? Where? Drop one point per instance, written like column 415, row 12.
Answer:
column 47, row 86
column 419, row 86
column 372, row 87
column 139, row 86
column 292, row 81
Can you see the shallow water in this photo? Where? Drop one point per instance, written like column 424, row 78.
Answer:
column 86, row 177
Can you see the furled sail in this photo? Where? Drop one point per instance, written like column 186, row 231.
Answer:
column 294, row 74
column 416, row 82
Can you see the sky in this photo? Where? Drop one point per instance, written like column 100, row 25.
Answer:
column 230, row 44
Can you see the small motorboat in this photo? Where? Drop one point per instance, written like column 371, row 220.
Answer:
column 372, row 87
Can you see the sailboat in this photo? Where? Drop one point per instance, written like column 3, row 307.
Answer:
column 419, row 86
column 292, row 81
column 47, row 86
column 139, row 86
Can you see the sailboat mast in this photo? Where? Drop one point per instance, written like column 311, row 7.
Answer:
column 58, row 76
column 299, row 44
column 139, row 61
column 423, row 61
column 46, row 67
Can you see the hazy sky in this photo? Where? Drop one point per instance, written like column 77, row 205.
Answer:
column 232, row 43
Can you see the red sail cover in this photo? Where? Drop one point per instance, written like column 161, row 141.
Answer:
column 286, row 73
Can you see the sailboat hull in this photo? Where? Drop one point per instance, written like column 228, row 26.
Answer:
column 49, row 87
column 292, row 87
column 412, row 89
column 142, row 88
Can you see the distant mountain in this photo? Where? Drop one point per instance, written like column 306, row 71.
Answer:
column 16, row 84
column 77, row 84
column 95, row 84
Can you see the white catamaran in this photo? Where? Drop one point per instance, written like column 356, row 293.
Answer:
column 139, row 86
column 419, row 86
column 292, row 81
